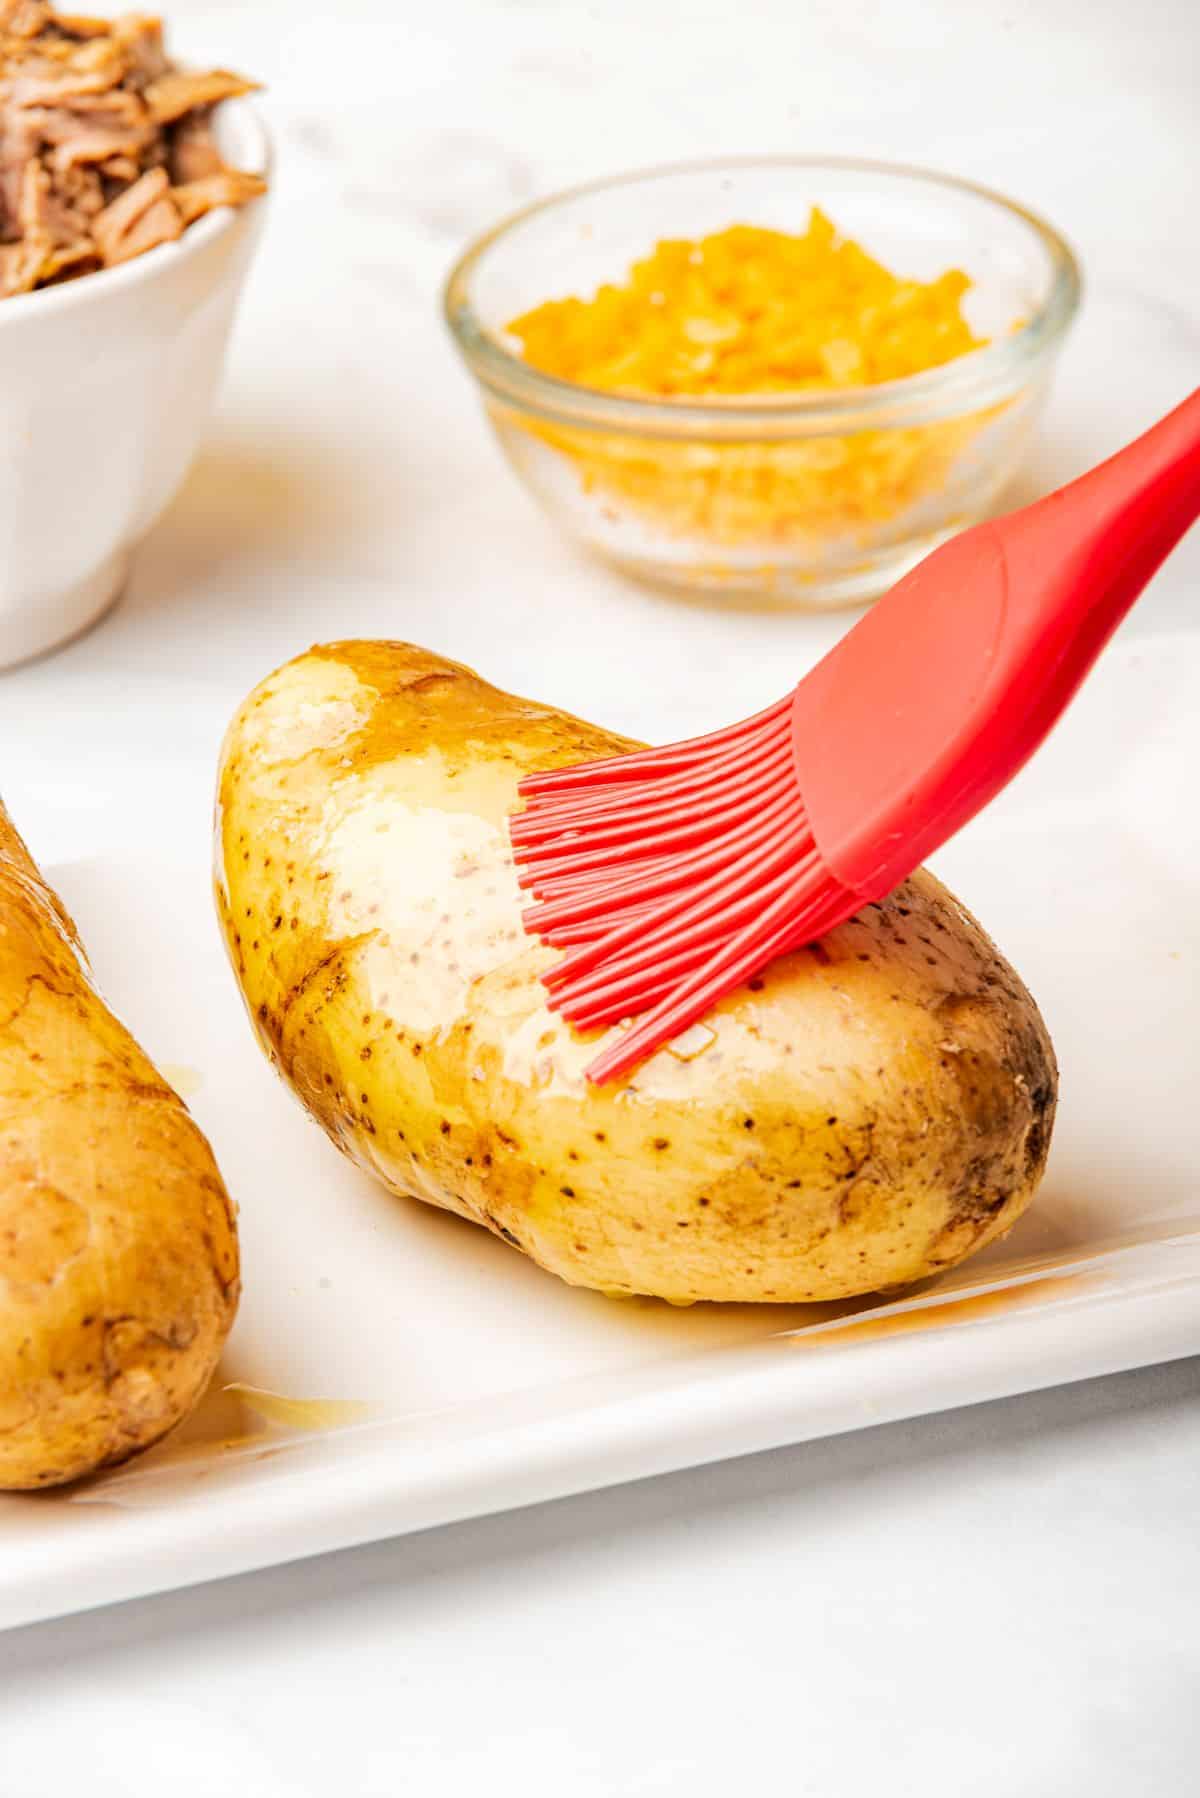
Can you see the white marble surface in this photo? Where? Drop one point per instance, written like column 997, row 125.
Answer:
column 996, row 1601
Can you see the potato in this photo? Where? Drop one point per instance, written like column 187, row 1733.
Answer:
column 118, row 1252
column 865, row 1113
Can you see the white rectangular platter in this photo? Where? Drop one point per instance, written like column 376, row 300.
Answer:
column 394, row 1368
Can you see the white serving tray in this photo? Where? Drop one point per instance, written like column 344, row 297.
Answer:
column 452, row 1377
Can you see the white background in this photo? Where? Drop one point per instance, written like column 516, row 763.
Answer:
column 995, row 1602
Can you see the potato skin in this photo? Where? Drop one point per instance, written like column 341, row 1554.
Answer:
column 118, row 1250
column 868, row 1112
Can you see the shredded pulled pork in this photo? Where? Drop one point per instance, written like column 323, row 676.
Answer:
column 106, row 149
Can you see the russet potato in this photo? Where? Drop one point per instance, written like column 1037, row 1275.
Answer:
column 865, row 1113
column 118, row 1250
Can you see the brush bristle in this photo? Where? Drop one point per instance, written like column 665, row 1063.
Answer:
column 670, row 876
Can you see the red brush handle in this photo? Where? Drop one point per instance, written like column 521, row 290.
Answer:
column 936, row 699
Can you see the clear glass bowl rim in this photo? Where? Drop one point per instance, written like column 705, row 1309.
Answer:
column 967, row 384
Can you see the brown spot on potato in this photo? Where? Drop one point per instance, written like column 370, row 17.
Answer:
column 1035, row 1143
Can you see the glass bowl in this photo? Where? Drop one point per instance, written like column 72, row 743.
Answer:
column 817, row 499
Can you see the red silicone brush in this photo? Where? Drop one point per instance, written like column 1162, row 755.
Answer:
column 671, row 875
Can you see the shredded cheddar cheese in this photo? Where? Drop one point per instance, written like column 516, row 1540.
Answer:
column 749, row 311
column 753, row 312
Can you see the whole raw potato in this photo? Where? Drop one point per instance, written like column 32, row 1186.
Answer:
column 867, row 1112
column 118, row 1252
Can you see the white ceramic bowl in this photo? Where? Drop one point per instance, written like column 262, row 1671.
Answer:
column 107, row 383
